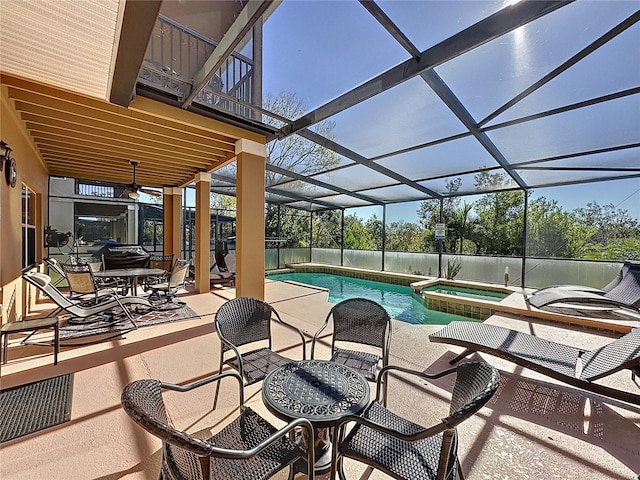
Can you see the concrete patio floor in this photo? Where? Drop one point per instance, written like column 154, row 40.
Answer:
column 533, row 428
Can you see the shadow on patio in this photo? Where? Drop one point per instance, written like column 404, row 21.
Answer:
column 532, row 428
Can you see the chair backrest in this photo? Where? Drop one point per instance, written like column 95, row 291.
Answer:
column 622, row 353
column 244, row 320
column 12, row 313
column 220, row 263
column 43, row 283
column 54, row 265
column 476, row 382
column 164, row 262
column 80, row 278
column 361, row 320
column 179, row 273
column 230, row 261
column 142, row 400
column 627, row 290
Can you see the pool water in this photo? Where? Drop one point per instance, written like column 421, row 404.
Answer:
column 466, row 292
column 398, row 300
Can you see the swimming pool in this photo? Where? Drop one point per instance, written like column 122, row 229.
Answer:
column 398, row 300
column 473, row 293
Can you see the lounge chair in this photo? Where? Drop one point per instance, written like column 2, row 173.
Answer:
column 584, row 288
column 43, row 283
column 571, row 365
column 219, row 273
column 625, row 294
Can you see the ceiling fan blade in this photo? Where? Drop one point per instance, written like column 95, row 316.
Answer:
column 148, row 191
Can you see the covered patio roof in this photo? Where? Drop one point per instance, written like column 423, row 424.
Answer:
column 416, row 94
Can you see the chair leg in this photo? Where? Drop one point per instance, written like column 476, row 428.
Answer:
column 5, row 346
column 460, row 474
column 215, row 398
column 56, row 343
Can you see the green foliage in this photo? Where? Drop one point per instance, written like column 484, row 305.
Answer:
column 356, row 235
column 500, row 216
column 327, row 227
column 453, row 268
column 405, row 236
column 294, row 226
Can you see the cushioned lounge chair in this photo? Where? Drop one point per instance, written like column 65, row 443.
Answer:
column 584, row 288
column 43, row 283
column 625, row 294
column 219, row 273
column 571, row 365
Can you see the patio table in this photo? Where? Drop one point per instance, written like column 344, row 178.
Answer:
column 130, row 273
column 321, row 391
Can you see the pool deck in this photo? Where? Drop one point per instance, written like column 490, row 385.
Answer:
column 534, row 427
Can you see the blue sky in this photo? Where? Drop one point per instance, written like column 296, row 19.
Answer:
column 321, row 49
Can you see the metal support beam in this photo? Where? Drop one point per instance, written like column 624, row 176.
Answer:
column 318, row 183
column 490, row 28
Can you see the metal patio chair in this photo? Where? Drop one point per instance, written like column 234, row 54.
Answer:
column 247, row 448
column 174, row 282
column 405, row 450
column 245, row 321
column 358, row 321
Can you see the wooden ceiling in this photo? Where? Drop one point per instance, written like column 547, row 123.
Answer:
column 87, row 138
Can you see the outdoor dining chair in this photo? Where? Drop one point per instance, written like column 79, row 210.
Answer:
column 82, row 284
column 170, row 287
column 246, row 322
column 164, row 262
column 405, row 450
column 247, row 448
column 358, row 321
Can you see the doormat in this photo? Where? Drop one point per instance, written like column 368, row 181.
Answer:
column 116, row 323
column 35, row 406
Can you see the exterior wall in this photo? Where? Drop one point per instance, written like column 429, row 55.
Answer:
column 32, row 172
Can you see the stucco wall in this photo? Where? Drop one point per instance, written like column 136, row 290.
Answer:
column 32, row 173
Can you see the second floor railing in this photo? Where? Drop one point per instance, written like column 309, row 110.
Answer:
column 176, row 53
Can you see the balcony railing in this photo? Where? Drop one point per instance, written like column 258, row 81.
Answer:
column 176, row 53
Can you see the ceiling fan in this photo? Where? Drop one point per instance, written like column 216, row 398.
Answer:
column 133, row 189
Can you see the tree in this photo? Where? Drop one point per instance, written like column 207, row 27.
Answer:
column 356, row 235
column 294, row 152
column 429, row 213
column 405, row 236
column 297, row 154
column 294, row 226
column 500, row 216
column 327, row 229
column 374, row 228
column 616, row 235
column 462, row 227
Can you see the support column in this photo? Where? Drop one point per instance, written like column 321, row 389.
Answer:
column 203, row 232
column 172, row 221
column 250, row 248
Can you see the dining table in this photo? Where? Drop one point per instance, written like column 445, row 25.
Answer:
column 321, row 391
column 131, row 274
